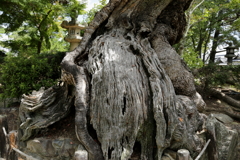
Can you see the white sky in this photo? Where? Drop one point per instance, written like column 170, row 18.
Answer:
column 91, row 3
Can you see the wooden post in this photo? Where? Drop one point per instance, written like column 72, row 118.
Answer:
column 3, row 123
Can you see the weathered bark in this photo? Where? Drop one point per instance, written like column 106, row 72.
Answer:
column 131, row 83
column 43, row 108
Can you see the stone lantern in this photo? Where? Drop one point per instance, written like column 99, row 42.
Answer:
column 230, row 53
column 74, row 33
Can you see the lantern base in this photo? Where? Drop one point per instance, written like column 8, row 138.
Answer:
column 73, row 45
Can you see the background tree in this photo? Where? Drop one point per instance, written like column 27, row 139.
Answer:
column 32, row 24
column 91, row 13
column 212, row 24
column 35, row 42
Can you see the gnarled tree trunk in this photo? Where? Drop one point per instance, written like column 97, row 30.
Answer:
column 131, row 85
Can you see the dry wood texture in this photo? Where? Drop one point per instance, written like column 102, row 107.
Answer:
column 131, row 83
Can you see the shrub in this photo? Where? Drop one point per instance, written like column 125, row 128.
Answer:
column 23, row 74
column 215, row 75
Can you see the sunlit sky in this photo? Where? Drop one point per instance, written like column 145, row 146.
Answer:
column 91, row 3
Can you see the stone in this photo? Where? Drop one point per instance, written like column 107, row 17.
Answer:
column 223, row 118
column 81, row 155
column 56, row 148
column 41, row 146
column 223, row 145
column 183, row 154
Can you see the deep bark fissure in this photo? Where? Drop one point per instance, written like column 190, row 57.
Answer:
column 110, row 152
column 124, row 105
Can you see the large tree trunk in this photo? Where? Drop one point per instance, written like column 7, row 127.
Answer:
column 131, row 85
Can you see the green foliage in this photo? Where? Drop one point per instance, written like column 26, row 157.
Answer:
column 34, row 25
column 192, row 60
column 215, row 75
column 97, row 7
column 33, row 28
column 212, row 24
column 23, row 74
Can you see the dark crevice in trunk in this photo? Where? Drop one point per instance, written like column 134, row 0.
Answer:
column 168, row 135
column 135, row 51
column 145, row 34
column 127, row 139
column 124, row 105
column 137, row 150
column 100, row 30
column 110, row 152
column 92, row 132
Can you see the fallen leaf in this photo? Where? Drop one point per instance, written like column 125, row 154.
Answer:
column 180, row 119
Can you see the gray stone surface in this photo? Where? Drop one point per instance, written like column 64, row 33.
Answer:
column 54, row 149
column 12, row 117
column 223, row 145
column 183, row 154
column 8, row 101
column 81, row 155
column 223, row 118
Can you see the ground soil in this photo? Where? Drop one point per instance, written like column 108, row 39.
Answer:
column 63, row 128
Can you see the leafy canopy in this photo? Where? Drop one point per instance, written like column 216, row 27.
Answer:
column 91, row 13
column 212, row 24
column 22, row 74
column 33, row 24
column 35, row 39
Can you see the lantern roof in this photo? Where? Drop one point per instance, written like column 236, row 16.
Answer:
column 231, row 47
column 68, row 25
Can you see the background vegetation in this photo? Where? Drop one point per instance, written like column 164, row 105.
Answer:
column 212, row 25
column 35, row 43
column 23, row 74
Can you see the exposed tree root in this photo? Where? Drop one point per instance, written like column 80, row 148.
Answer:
column 217, row 94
